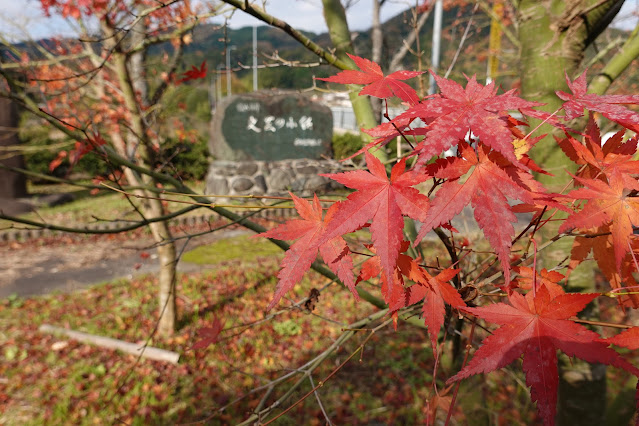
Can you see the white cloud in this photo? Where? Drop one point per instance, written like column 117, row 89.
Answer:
column 22, row 20
column 627, row 17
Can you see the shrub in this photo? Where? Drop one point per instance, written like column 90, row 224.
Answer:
column 346, row 144
column 188, row 160
column 38, row 160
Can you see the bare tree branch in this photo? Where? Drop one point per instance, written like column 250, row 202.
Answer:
column 260, row 14
column 408, row 42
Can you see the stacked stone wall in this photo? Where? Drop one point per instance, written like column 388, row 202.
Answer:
column 300, row 176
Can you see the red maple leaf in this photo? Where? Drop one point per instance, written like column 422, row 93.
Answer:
column 628, row 339
column 601, row 247
column 194, row 73
column 209, row 335
column 55, row 163
column 381, row 200
column 528, row 277
column 537, row 325
column 608, row 203
column 457, row 111
column 486, row 189
column 302, row 253
column 600, row 162
column 377, row 85
column 610, row 106
column 80, row 150
column 393, row 287
column 434, row 291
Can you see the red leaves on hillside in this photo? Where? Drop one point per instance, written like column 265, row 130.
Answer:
column 300, row 256
column 377, row 85
column 536, row 325
column 194, row 73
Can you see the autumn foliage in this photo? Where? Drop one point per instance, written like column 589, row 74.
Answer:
column 492, row 172
column 470, row 150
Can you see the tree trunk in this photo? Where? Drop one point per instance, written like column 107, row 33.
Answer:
column 377, row 41
column 167, row 278
column 554, row 35
column 340, row 35
column 167, row 313
column 129, row 69
column 12, row 185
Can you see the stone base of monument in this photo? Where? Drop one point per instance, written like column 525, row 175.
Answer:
column 299, row 176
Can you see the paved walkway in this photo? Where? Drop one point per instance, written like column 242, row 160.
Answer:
column 31, row 270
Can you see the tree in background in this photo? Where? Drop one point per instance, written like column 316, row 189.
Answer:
column 98, row 89
column 12, row 184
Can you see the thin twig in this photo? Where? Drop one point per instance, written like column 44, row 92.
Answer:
column 462, row 41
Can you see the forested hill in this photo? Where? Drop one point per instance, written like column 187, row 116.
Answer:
column 210, row 42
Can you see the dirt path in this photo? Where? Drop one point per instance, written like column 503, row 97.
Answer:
column 61, row 264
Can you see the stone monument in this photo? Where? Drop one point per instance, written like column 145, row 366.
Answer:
column 271, row 126
column 270, row 142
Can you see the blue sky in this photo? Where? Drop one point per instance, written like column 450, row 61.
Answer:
column 21, row 17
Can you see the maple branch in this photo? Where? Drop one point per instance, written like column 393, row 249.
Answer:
column 89, row 230
column 305, row 369
column 47, row 177
column 450, row 248
column 195, row 203
column 178, row 33
column 617, row 65
column 523, row 259
column 462, row 41
column 33, row 64
column 469, row 346
column 332, row 373
column 600, row 323
column 395, row 63
column 284, row 26
column 281, row 62
column 599, row 57
column 319, row 402
column 159, row 92
column 530, row 225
